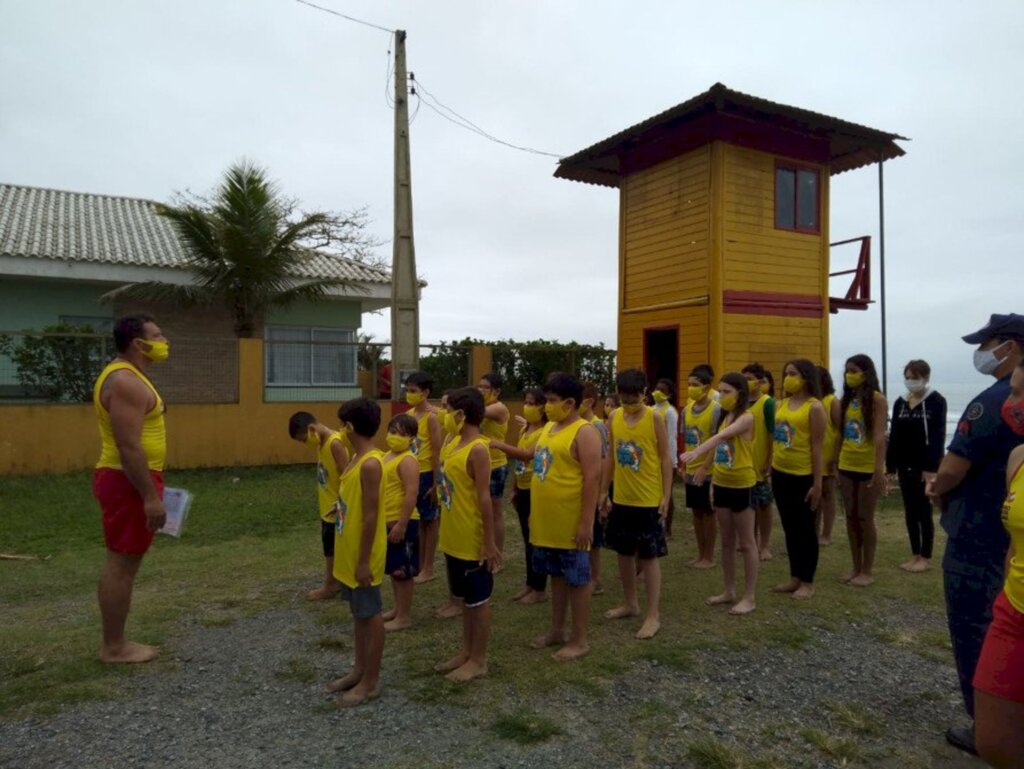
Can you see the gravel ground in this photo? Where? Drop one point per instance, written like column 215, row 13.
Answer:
column 224, row 703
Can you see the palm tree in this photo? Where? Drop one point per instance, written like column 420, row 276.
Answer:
column 246, row 246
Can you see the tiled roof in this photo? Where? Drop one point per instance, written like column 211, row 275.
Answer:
column 80, row 227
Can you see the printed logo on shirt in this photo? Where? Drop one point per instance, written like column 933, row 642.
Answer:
column 628, row 455
column 1011, row 497
column 341, row 510
column 519, row 467
column 854, row 431
column 445, row 489
column 542, row 461
column 784, row 433
column 694, row 436
column 725, row 455
column 414, row 446
column 321, row 476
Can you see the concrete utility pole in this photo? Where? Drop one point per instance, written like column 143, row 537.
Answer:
column 405, row 311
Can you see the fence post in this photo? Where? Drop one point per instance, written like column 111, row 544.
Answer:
column 250, row 371
column 480, row 362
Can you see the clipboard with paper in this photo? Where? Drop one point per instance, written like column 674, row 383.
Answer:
column 177, row 503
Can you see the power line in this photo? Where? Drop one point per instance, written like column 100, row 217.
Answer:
column 350, row 18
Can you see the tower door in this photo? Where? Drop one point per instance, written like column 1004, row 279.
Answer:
column 661, row 355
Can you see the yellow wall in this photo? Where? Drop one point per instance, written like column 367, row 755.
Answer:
column 664, row 266
column 756, row 256
column 771, row 341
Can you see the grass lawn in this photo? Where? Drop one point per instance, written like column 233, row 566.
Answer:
column 252, row 544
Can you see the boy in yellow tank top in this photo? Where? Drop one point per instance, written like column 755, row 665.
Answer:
column 360, row 546
column 698, row 422
column 467, row 531
column 641, row 469
column 495, row 427
column 331, row 459
column 762, row 406
column 402, row 519
column 427, row 447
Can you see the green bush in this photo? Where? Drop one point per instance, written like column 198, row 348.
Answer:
column 59, row 364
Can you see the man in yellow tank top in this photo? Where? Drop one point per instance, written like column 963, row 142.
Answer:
column 419, row 386
column 495, row 427
column 641, row 469
column 360, row 545
column 128, row 480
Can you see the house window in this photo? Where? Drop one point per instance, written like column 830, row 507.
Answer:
column 310, row 357
column 99, row 325
column 796, row 199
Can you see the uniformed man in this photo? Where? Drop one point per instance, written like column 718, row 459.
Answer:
column 970, row 486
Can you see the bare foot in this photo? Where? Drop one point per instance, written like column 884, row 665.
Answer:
column 846, row 579
column 357, row 696
column 743, row 607
column 534, row 596
column 389, row 614
column 803, row 592
column 522, row 593
column 824, row 541
column 703, row 565
column 422, row 577
column 467, row 672
column 454, row 663
column 622, row 612
column 692, row 563
column 598, row 589
column 129, row 652
column 550, row 638
column 922, row 564
column 570, row 652
column 346, row 682
column 787, row 587
column 649, row 629
column 907, row 564
column 718, row 600
column 766, row 554
column 395, row 624
column 861, row 580
column 321, row 593
column 449, row 610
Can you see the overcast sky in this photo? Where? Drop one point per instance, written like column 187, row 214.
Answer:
column 143, row 98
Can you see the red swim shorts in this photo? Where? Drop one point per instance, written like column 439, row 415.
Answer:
column 1000, row 670
column 124, row 517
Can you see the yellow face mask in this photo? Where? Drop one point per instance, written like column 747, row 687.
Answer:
column 633, row 408
column 766, row 389
column 659, row 396
column 728, row 402
column 793, row 384
column 312, row 439
column 532, row 414
column 556, row 411
column 158, row 351
column 854, row 380
column 346, row 441
column 696, row 393
column 753, row 387
column 398, row 443
column 490, row 397
column 452, row 425
column 415, row 399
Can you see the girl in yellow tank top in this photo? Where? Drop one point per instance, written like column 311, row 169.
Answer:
column 1013, row 520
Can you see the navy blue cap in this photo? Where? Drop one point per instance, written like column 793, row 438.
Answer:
column 998, row 325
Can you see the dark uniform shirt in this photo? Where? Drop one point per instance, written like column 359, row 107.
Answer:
column 977, row 539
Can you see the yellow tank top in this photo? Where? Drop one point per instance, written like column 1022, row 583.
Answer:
column 462, row 527
column 762, row 439
column 328, row 479
column 394, row 490
column 637, row 462
column 523, row 469
column 348, row 529
column 154, row 435
column 496, row 432
column 857, row 454
column 1013, row 520
column 734, row 463
column 792, row 452
column 699, row 426
column 556, row 491
column 421, row 446
column 828, row 446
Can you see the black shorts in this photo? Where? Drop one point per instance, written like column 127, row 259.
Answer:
column 636, row 531
column 736, row 500
column 599, row 540
column 698, row 498
column 402, row 560
column 469, row 581
column 856, row 477
column 327, row 537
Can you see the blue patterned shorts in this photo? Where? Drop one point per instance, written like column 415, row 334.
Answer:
column 571, row 565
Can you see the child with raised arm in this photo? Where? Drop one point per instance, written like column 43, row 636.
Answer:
column 732, row 480
column 401, row 488
column 467, row 530
column 699, row 420
column 639, row 466
column 426, row 446
column 360, row 544
column 762, row 406
column 331, row 459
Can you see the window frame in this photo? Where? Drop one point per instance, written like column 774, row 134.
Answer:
column 796, row 168
column 311, row 343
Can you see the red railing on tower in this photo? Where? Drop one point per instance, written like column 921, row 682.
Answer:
column 858, row 296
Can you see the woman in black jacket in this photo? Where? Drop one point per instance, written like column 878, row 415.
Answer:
column 917, row 439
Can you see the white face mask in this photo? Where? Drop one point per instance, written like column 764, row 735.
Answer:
column 986, row 362
column 916, row 386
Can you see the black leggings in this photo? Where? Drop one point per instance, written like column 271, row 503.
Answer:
column 798, row 523
column 918, row 511
column 534, row 580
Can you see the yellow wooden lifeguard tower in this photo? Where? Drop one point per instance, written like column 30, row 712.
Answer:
column 723, row 230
